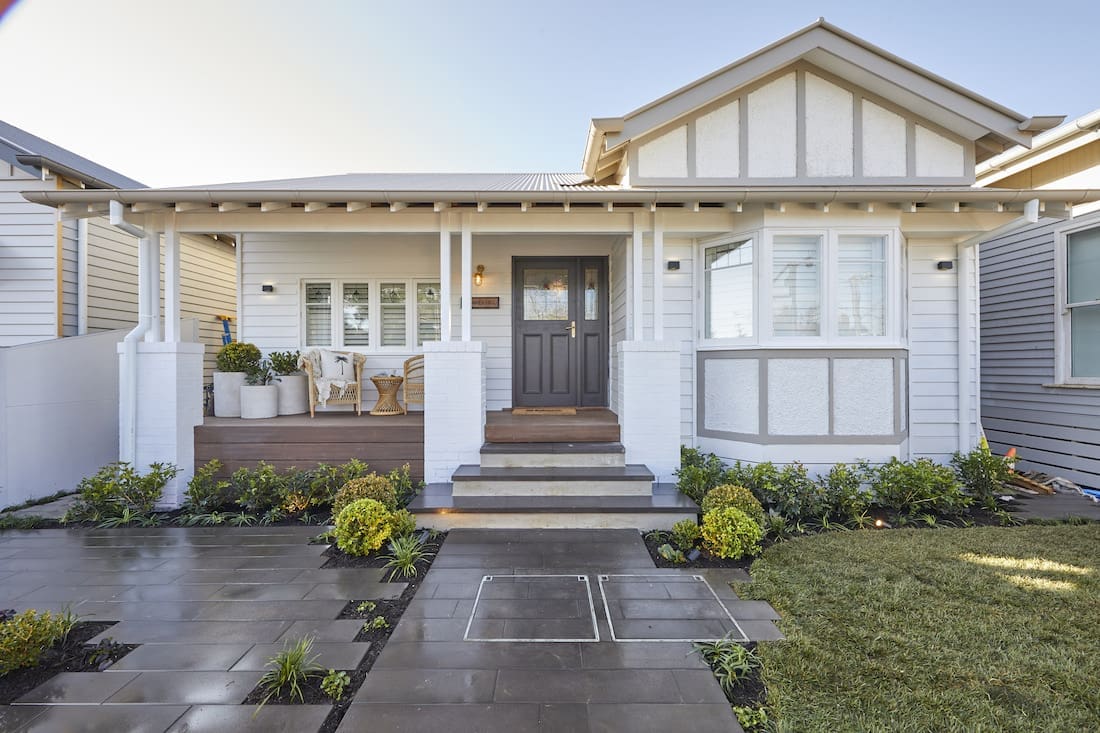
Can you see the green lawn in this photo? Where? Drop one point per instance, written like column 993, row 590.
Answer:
column 990, row 629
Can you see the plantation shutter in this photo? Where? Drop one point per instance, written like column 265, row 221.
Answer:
column 796, row 286
column 356, row 314
column 394, row 314
column 318, row 314
column 427, row 312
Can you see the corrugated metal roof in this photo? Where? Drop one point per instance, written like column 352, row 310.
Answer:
column 14, row 141
column 412, row 182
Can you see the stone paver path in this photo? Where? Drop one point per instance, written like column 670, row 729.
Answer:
column 210, row 605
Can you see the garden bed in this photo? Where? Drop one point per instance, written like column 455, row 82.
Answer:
column 74, row 655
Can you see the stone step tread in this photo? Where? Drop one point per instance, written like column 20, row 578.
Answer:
column 632, row 472
column 552, row 448
column 438, row 498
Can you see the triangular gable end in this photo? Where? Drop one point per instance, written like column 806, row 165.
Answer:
column 820, row 107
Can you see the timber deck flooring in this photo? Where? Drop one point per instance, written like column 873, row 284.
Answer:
column 302, row 442
column 587, row 426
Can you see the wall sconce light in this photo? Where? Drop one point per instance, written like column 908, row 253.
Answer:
column 673, row 265
column 479, row 276
column 945, row 265
column 267, row 288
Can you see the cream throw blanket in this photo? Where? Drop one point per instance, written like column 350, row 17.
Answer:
column 329, row 369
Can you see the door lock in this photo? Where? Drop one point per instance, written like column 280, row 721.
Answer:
column 572, row 329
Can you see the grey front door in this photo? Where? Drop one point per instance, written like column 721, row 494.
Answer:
column 559, row 331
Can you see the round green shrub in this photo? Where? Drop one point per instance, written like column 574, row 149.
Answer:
column 728, row 495
column 685, row 534
column 363, row 526
column 371, row 486
column 403, row 523
column 238, row 357
column 731, row 533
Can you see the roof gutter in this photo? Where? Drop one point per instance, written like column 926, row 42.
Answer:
column 45, row 164
column 1040, row 144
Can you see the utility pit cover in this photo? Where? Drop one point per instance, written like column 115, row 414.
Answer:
column 533, row 608
column 658, row 607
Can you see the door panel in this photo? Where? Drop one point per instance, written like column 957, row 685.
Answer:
column 560, row 331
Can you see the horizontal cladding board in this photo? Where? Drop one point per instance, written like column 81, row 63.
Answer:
column 1056, row 460
column 318, row 451
column 1079, row 414
column 1059, row 438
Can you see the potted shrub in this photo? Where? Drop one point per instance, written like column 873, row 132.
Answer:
column 259, row 397
column 234, row 362
column 292, row 384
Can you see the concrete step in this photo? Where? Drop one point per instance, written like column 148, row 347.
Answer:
column 437, row 507
column 633, row 480
column 552, row 455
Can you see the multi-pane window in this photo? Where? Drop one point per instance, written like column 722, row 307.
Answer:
column 861, row 286
column 729, row 290
column 1083, row 303
column 796, row 285
column 372, row 315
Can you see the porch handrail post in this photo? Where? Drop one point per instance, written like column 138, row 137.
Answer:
column 171, row 280
column 636, row 279
column 444, row 278
column 467, row 278
column 658, row 277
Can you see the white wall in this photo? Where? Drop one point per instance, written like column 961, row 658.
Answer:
column 28, row 257
column 58, row 414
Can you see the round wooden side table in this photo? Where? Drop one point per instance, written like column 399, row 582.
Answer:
column 387, row 395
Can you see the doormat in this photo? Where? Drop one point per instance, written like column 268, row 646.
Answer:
column 544, row 410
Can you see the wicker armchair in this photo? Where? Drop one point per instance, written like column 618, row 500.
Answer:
column 351, row 394
column 414, row 381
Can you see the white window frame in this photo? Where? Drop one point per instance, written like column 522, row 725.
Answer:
column 1063, row 337
column 374, row 303
column 764, row 336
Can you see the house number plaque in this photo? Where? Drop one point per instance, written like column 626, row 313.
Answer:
column 486, row 302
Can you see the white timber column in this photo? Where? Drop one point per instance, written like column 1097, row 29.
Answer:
column 152, row 292
column 467, row 278
column 636, row 280
column 658, row 276
column 965, row 277
column 444, row 278
column 171, row 280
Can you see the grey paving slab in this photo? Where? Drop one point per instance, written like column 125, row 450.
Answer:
column 221, row 577
column 75, row 593
column 548, row 629
column 432, row 608
column 140, row 610
column 304, row 562
column 652, row 629
column 330, row 655
column 189, row 688
column 563, row 718
column 450, row 718
column 357, row 590
column 433, row 629
column 249, row 719
column 189, row 656
column 641, row 655
column 334, row 630
column 667, row 609
column 105, row 719
column 14, row 717
column 587, row 686
column 758, row 630
column 648, row 718
column 340, row 575
column 146, row 577
column 198, row 632
column 78, row 687
column 424, row 687
column 490, row 608
column 478, row 655
column 697, row 686
column 268, row 610
column 261, row 592
column 83, row 565
column 172, row 592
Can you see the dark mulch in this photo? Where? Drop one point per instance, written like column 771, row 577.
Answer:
column 391, row 610
column 705, row 560
column 72, row 656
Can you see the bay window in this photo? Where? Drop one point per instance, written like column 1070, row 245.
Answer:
column 796, row 285
column 370, row 315
column 729, row 288
column 861, row 286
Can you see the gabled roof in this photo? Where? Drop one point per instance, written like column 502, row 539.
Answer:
column 1060, row 141
column 845, row 55
column 33, row 154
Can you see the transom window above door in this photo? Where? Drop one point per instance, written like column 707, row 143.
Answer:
column 370, row 314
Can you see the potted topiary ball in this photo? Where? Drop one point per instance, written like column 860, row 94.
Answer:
column 292, row 384
column 259, row 397
column 234, row 361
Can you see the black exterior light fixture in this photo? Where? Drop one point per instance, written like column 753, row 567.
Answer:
column 945, row 265
column 267, row 288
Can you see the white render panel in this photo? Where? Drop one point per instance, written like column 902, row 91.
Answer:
column 863, row 396
column 665, row 156
column 48, row 408
column 937, row 156
column 818, row 458
column 884, row 146
column 733, row 395
column 829, row 129
column 798, row 396
column 773, row 129
column 718, row 142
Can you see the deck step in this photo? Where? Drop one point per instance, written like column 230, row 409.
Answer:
column 584, row 427
column 437, row 507
column 630, row 480
column 552, row 455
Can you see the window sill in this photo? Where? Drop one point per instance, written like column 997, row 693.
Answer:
column 1071, row 386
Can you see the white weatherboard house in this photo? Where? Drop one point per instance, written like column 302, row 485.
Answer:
column 774, row 262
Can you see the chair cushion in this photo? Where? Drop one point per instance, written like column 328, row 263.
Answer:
column 337, row 365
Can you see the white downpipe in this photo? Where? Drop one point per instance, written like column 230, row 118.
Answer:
column 966, row 250
column 81, row 276
column 128, row 444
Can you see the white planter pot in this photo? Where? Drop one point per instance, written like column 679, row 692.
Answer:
column 259, row 401
column 293, row 393
column 227, row 393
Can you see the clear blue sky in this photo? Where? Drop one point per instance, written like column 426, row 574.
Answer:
column 205, row 91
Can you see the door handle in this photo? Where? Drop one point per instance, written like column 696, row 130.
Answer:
column 572, row 329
